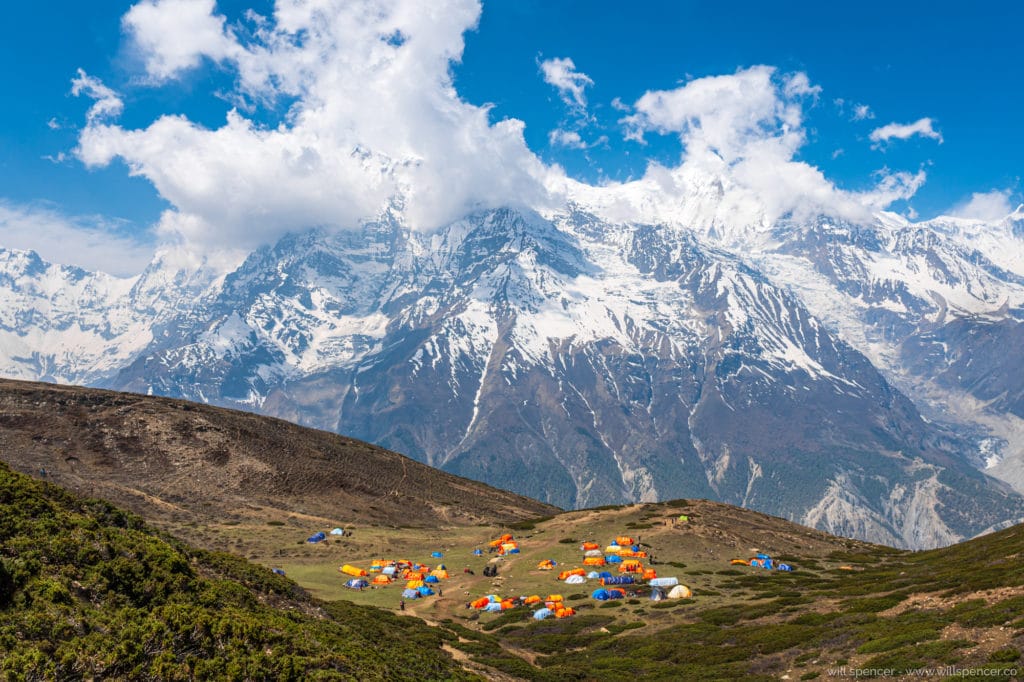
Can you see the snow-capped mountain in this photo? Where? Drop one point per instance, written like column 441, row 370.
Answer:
column 938, row 306
column 586, row 361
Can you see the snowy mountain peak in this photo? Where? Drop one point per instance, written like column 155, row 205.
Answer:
column 579, row 359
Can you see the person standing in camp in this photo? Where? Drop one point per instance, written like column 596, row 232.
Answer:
column 440, row 592
column 401, row 605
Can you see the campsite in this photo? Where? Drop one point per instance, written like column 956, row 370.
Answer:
column 845, row 603
column 771, row 616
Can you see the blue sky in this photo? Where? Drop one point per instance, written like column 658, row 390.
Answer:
column 956, row 66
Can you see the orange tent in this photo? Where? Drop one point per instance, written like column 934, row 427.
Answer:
column 576, row 571
column 532, row 599
column 480, row 603
column 739, row 562
column 650, row 574
column 594, row 561
column 587, row 546
column 382, row 580
column 507, row 604
column 413, row 584
column 546, row 565
column 624, row 540
column 565, row 612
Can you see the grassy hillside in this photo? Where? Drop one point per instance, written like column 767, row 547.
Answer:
column 181, row 463
column 87, row 590
column 848, row 604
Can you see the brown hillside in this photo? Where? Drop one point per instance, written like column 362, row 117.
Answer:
column 176, row 462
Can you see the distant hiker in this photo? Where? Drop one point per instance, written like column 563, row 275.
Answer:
column 401, row 605
column 440, row 592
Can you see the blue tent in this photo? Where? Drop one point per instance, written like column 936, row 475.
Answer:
column 493, row 607
column 278, row 571
column 604, row 574
column 514, row 550
column 424, row 591
column 357, row 583
column 409, row 593
column 478, row 552
column 431, row 579
column 619, row 580
column 761, row 555
column 635, row 548
column 613, row 559
column 317, row 537
column 593, row 574
column 601, row 594
column 389, row 570
column 768, row 564
column 784, row 567
column 436, row 555
column 541, row 614
column 757, row 563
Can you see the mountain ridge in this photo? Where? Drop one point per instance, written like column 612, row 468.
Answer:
column 609, row 358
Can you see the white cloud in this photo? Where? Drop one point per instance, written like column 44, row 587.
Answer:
column 862, row 112
column 904, row 131
column 88, row 242
column 173, row 36
column 989, row 206
column 799, row 85
column 571, row 84
column 107, row 103
column 566, row 138
column 740, row 135
column 375, row 116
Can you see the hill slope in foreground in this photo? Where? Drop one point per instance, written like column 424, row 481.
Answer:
column 87, row 591
column 88, row 587
column 175, row 462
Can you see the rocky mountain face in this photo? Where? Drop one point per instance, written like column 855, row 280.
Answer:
column 583, row 362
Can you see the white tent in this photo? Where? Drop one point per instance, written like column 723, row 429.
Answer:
column 680, row 592
column 337, row 531
column 593, row 552
column 575, row 580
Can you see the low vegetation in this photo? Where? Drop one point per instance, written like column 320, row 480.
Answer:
column 88, row 591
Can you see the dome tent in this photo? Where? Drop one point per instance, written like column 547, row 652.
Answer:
column 680, row 592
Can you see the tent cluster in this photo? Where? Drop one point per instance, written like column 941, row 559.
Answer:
column 552, row 606
column 321, row 536
column 418, row 576
column 503, row 545
column 762, row 560
column 622, row 552
column 625, row 555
